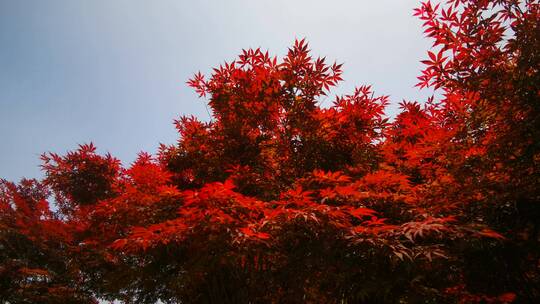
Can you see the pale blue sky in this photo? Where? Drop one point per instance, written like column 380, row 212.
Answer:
column 113, row 71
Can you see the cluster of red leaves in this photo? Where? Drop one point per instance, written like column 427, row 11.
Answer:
column 278, row 199
column 33, row 264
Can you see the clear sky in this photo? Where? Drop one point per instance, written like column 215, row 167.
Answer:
column 113, row 71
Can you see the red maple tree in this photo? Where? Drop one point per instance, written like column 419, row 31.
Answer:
column 279, row 200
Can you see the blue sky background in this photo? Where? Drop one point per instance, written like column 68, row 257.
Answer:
column 113, row 71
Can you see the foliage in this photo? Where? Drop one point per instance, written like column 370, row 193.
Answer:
column 280, row 200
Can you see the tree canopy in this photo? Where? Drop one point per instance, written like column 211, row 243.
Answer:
column 277, row 199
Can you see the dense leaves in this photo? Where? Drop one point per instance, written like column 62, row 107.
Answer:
column 279, row 200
